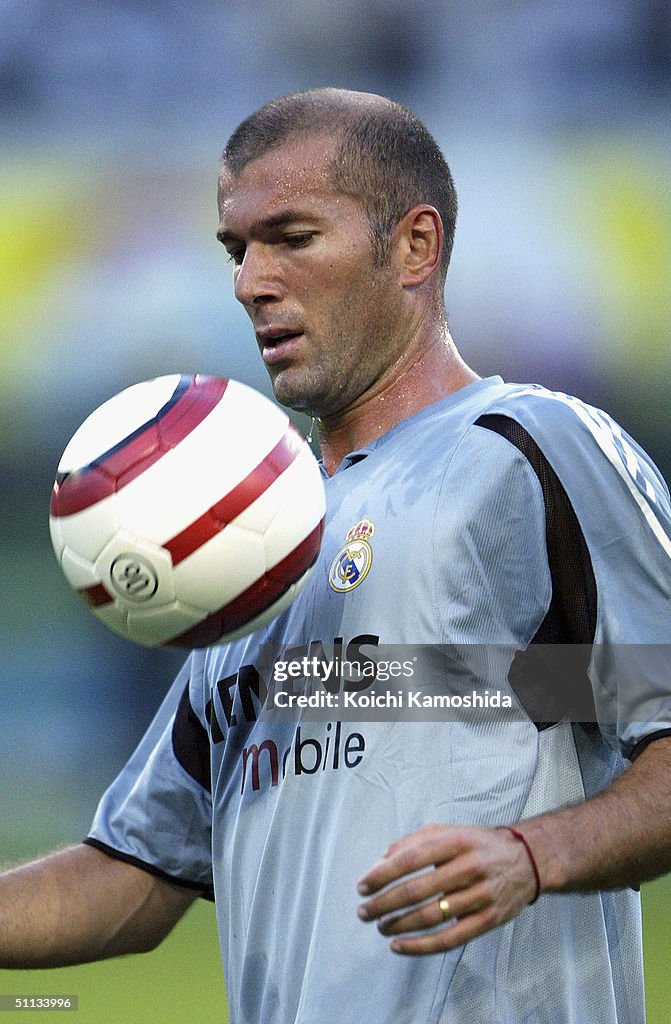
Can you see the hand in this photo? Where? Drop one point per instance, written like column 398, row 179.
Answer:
column 484, row 874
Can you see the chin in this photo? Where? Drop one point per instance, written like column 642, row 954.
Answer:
column 295, row 394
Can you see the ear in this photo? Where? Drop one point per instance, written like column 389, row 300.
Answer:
column 419, row 238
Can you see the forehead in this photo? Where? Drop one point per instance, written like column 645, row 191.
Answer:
column 296, row 172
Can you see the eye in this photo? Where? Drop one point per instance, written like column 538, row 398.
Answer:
column 236, row 255
column 299, row 239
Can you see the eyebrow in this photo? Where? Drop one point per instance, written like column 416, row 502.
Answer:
column 265, row 224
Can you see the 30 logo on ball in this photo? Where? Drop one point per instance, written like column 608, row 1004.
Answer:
column 133, row 578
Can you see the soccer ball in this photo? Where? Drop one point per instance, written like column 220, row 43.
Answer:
column 187, row 510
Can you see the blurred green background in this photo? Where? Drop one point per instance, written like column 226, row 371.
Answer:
column 554, row 117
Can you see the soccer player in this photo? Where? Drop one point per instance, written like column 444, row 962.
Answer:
column 466, row 517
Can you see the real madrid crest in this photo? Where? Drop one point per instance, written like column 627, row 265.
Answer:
column 352, row 563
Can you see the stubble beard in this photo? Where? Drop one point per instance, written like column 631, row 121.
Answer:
column 347, row 358
column 320, row 390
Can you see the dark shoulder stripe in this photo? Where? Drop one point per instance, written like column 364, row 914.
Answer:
column 572, row 613
column 191, row 743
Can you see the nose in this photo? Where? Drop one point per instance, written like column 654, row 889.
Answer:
column 256, row 279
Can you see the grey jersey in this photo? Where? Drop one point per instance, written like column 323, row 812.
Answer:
column 437, row 540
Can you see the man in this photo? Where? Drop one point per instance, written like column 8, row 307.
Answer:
column 464, row 515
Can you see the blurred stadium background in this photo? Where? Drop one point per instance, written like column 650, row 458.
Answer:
column 554, row 116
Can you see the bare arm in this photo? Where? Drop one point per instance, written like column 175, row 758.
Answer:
column 620, row 837
column 80, row 905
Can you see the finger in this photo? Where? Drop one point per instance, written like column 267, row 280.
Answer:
column 430, row 845
column 451, row 937
column 448, row 878
column 431, row 914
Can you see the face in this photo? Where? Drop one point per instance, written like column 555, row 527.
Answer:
column 324, row 315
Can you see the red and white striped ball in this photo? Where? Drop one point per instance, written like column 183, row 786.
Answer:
column 187, row 510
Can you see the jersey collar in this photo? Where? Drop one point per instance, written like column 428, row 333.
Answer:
column 405, row 424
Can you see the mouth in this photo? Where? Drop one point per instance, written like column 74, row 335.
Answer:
column 277, row 344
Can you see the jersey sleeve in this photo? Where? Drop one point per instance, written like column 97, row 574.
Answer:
column 628, row 529
column 622, row 505
column 157, row 814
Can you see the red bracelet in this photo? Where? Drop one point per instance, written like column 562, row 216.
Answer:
column 523, row 840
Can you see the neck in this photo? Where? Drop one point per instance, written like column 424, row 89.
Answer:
column 425, row 377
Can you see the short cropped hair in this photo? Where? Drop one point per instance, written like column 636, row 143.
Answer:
column 385, row 157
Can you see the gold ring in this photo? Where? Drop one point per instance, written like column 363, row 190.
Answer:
column 445, row 908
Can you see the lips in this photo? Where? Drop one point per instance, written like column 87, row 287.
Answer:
column 277, row 343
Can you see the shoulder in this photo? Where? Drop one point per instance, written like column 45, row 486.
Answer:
column 553, row 418
column 584, row 445
column 558, row 423
column 544, row 411
column 617, row 493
